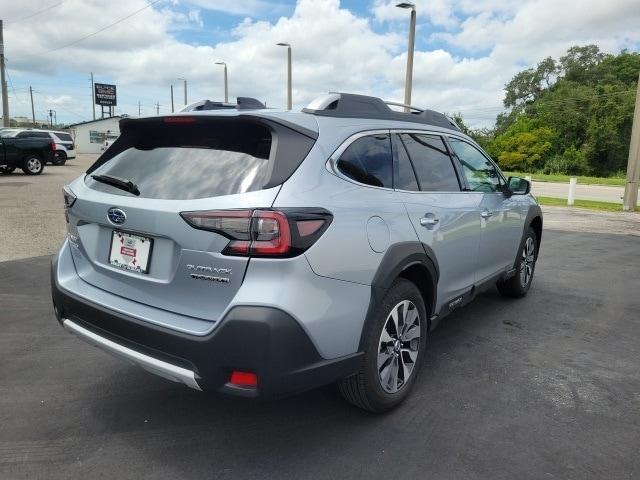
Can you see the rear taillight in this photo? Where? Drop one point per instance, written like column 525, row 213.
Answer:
column 264, row 233
column 53, row 146
column 69, row 197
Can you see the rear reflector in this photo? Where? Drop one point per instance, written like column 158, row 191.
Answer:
column 243, row 379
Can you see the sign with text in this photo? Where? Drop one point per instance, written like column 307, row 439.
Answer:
column 105, row 95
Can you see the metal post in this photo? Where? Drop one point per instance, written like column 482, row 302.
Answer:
column 93, row 100
column 572, row 190
column 138, row 107
column 50, row 118
column 409, row 78
column 185, row 91
column 226, row 85
column 3, row 83
column 33, row 113
column 630, row 199
column 171, row 98
column 289, row 92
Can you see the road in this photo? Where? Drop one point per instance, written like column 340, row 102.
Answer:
column 603, row 193
column 544, row 387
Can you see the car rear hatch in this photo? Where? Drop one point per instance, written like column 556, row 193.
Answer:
column 136, row 241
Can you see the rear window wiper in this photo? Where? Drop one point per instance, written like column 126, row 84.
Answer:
column 121, row 183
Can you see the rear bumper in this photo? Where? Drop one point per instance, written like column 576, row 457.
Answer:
column 263, row 340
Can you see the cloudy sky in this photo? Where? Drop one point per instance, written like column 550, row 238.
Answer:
column 466, row 50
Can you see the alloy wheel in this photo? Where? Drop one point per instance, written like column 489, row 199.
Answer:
column 34, row 165
column 528, row 261
column 398, row 346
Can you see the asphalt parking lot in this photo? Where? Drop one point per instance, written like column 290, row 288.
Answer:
column 544, row 387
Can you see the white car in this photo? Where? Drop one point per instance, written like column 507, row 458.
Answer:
column 65, row 148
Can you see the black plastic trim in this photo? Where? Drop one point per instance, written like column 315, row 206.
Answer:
column 398, row 258
column 263, row 340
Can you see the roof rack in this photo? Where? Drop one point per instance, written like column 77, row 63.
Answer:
column 349, row 105
column 243, row 103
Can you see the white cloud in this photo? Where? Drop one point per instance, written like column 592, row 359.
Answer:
column 482, row 44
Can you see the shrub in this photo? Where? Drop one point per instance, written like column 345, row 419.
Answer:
column 571, row 162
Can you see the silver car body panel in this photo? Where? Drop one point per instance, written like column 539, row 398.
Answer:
column 328, row 288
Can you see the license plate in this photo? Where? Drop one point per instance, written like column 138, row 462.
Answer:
column 130, row 251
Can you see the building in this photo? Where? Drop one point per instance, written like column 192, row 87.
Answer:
column 90, row 136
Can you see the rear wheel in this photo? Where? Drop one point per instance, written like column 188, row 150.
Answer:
column 518, row 285
column 393, row 351
column 32, row 165
column 4, row 170
column 59, row 158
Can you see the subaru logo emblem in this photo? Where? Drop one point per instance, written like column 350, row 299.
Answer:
column 116, row 216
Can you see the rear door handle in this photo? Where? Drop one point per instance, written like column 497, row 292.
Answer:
column 486, row 214
column 428, row 221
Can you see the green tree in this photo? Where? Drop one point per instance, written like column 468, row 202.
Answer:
column 523, row 146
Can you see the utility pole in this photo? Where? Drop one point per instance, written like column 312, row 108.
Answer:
column 630, row 199
column 93, row 101
column 50, row 118
column 5, row 95
column 55, row 118
column 157, row 108
column 138, row 107
column 172, row 98
column 185, row 91
column 33, row 113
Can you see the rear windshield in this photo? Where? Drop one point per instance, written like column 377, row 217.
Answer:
column 65, row 137
column 179, row 173
column 182, row 158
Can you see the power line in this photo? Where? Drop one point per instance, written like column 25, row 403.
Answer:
column 46, row 9
column 94, row 33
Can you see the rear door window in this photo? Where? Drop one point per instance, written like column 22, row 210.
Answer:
column 431, row 161
column 368, row 160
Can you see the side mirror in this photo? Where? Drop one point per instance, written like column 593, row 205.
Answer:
column 518, row 186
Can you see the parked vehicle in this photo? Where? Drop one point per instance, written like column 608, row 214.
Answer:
column 260, row 252
column 29, row 154
column 65, row 148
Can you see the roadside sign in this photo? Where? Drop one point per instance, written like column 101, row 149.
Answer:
column 105, row 94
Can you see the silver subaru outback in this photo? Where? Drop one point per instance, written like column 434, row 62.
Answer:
column 259, row 252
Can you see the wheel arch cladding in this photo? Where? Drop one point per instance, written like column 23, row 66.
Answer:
column 413, row 261
column 534, row 220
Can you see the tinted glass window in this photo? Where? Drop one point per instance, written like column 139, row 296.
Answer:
column 405, row 177
column 480, row 173
column 30, row 134
column 368, row 160
column 432, row 162
column 65, row 137
column 192, row 162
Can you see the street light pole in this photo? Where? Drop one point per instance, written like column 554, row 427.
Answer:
column 3, row 83
column 172, row 98
column 630, row 199
column 412, row 39
column 226, row 83
column 289, row 87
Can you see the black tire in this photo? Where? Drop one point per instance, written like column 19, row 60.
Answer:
column 365, row 389
column 518, row 285
column 59, row 158
column 32, row 165
column 4, row 170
